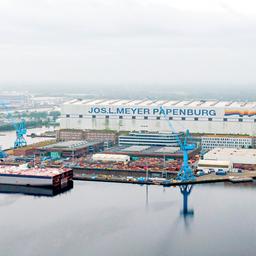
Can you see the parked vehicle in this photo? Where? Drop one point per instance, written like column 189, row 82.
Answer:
column 141, row 179
column 200, row 173
column 221, row 172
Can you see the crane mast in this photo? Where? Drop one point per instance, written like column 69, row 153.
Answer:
column 185, row 173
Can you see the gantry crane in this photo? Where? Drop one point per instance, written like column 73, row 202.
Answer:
column 185, row 173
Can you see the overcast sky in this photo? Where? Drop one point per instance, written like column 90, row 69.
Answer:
column 135, row 43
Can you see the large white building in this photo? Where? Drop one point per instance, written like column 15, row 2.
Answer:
column 240, row 158
column 212, row 116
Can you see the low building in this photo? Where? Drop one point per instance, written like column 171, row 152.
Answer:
column 70, row 134
column 224, row 141
column 70, row 149
column 207, row 165
column 151, row 151
column 111, row 158
column 240, row 158
column 149, row 139
column 29, row 150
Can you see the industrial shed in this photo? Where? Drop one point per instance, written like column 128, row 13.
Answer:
column 70, row 149
column 111, row 158
column 214, row 164
column 240, row 158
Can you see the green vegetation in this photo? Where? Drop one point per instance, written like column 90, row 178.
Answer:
column 29, row 124
column 32, row 119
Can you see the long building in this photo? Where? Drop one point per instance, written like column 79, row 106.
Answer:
column 240, row 158
column 211, row 116
column 149, row 139
column 230, row 141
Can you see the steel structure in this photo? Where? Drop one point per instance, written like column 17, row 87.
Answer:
column 19, row 126
column 21, row 130
column 185, row 173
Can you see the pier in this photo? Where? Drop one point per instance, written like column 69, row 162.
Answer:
column 247, row 176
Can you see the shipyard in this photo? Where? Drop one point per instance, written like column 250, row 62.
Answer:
column 146, row 144
column 128, row 145
column 199, row 116
column 127, row 128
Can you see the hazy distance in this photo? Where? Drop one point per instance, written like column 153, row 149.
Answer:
column 140, row 48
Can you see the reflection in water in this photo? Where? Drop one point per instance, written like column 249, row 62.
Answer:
column 185, row 191
column 96, row 218
column 186, row 213
column 146, row 196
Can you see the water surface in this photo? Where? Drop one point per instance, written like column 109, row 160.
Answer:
column 7, row 138
column 122, row 219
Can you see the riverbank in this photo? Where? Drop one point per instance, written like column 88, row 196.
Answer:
column 29, row 125
column 8, row 137
column 141, row 178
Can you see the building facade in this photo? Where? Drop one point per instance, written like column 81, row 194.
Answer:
column 88, row 135
column 218, row 141
column 149, row 139
column 213, row 116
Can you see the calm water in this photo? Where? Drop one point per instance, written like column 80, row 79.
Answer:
column 8, row 138
column 122, row 219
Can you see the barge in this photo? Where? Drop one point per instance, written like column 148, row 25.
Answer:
column 36, row 177
column 34, row 191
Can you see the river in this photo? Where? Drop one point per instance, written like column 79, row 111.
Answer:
column 131, row 220
column 7, row 138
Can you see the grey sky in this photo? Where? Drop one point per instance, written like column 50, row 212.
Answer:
column 128, row 42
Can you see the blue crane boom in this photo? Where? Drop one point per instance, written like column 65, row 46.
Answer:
column 185, row 173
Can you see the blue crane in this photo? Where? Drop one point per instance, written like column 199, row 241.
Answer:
column 21, row 130
column 19, row 126
column 185, row 173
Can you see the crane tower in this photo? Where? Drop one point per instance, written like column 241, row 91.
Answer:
column 19, row 126
column 185, row 173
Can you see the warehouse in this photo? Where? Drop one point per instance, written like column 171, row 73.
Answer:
column 150, row 151
column 70, row 149
column 213, row 116
column 111, row 158
column 240, row 158
column 207, row 165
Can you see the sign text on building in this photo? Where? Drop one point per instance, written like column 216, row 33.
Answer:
column 152, row 111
